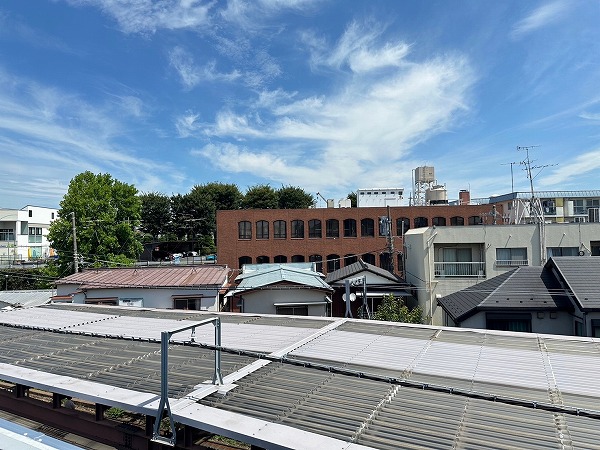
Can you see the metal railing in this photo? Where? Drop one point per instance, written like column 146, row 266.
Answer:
column 512, row 262
column 165, row 337
column 459, row 269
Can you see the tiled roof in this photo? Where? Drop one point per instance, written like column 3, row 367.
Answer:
column 171, row 276
column 581, row 275
column 358, row 267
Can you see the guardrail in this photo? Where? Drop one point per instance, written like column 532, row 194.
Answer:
column 459, row 269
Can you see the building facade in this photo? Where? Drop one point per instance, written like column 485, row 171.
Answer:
column 23, row 234
column 443, row 260
column 330, row 237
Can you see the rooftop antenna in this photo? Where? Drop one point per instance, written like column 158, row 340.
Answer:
column 512, row 178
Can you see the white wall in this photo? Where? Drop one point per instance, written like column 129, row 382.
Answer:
column 262, row 301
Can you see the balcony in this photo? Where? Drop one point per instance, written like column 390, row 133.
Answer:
column 459, row 269
column 511, row 262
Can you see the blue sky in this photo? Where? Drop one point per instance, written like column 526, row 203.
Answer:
column 329, row 95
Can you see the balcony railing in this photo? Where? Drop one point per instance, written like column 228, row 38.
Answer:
column 459, row 269
column 512, row 262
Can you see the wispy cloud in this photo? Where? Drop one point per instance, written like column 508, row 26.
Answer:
column 191, row 74
column 540, row 17
column 590, row 116
column 569, row 173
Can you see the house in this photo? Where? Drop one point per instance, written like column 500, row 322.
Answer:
column 377, row 281
column 178, row 287
column 23, row 233
column 560, row 297
column 444, row 260
column 291, row 289
column 330, row 237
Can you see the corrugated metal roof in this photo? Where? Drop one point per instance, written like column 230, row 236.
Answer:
column 377, row 384
column 358, row 267
column 171, row 276
column 26, row 298
column 280, row 274
column 581, row 274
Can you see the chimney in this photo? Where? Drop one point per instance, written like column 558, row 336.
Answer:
column 464, row 197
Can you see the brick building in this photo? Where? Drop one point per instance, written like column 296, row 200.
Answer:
column 330, row 237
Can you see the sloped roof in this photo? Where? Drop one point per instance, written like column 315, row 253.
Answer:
column 522, row 288
column 278, row 274
column 358, row 267
column 135, row 277
column 25, row 298
column 581, row 275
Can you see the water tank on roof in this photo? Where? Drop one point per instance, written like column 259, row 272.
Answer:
column 437, row 195
column 425, row 174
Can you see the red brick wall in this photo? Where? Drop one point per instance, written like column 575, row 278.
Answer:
column 230, row 248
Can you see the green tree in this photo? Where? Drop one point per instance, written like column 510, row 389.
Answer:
column 107, row 212
column 352, row 197
column 261, row 196
column 394, row 309
column 290, row 197
column 156, row 213
column 224, row 196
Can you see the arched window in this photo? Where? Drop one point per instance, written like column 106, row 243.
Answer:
column 298, row 229
column 457, row 221
column 244, row 230
column 314, row 228
column 438, row 221
column 350, row 259
column 298, row 258
column 332, row 228
column 333, row 263
column 349, row 228
column 262, row 260
column 369, row 258
column 402, row 225
column 384, row 260
column 318, row 260
column 367, row 227
column 279, row 229
column 421, row 222
column 262, row 229
column 475, row 220
column 244, row 260
column 280, row 259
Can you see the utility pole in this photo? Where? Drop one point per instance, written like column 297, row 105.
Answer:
column 390, row 241
column 75, row 257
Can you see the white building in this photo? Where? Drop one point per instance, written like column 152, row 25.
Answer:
column 443, row 260
column 379, row 197
column 23, row 233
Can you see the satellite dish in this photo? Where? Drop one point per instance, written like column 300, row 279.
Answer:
column 352, row 297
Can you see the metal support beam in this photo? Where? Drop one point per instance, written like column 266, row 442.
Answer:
column 100, row 411
column 164, row 406
column 149, row 425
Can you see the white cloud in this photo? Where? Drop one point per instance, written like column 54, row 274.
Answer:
column 540, row 17
column 186, row 125
column 191, row 74
column 148, row 16
column 590, row 116
column 583, row 164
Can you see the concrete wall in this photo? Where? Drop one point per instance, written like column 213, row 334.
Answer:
column 563, row 324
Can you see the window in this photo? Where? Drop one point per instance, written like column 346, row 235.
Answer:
column 35, row 235
column 298, row 258
column 367, row 227
column 262, row 229
column 402, row 226
column 421, row 222
column 7, row 234
column 549, row 207
column 562, row 251
column 30, row 213
column 475, row 220
column 457, row 221
column 262, row 260
column 51, row 216
column 509, row 322
column 187, row 303
column 279, row 229
column 244, row 260
column 298, row 229
column 385, row 261
column 318, row 260
column 578, row 207
column 349, row 228
column 333, row 263
column 292, row 310
column 595, row 328
column 280, row 259
column 400, row 264
column 369, row 258
column 314, row 228
column 332, row 228
column 578, row 328
column 511, row 257
column 350, row 259
column 244, row 230
column 438, row 221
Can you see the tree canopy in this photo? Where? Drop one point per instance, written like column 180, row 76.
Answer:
column 107, row 212
column 155, row 214
column 290, row 197
column 261, row 196
column 394, row 309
